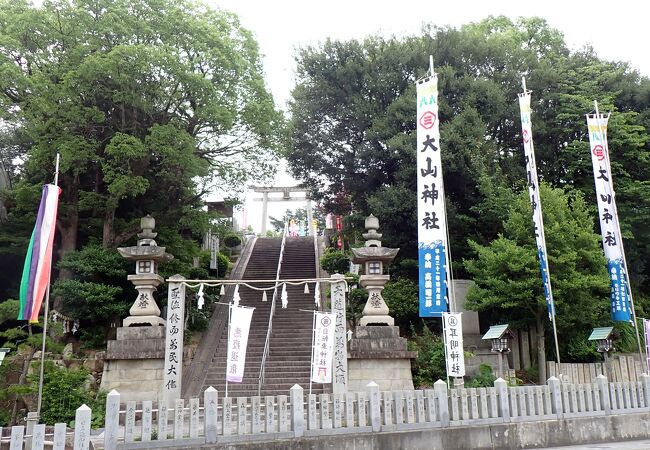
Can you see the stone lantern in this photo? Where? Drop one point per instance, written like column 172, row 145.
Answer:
column 146, row 255
column 377, row 353
column 373, row 257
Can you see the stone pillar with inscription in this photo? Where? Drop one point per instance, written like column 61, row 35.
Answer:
column 135, row 359
column 376, row 351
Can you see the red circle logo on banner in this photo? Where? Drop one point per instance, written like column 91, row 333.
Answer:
column 526, row 137
column 599, row 152
column 427, row 120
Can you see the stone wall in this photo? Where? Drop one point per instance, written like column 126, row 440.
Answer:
column 389, row 374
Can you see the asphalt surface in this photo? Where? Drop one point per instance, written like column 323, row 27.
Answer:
column 625, row 445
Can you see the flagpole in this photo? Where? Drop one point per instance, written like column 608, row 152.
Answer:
column 620, row 236
column 47, row 311
column 229, row 318
column 313, row 335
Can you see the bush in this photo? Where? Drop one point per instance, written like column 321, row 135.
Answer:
column 402, row 298
column 335, row 261
column 429, row 366
column 63, row 392
column 231, row 240
column 485, row 378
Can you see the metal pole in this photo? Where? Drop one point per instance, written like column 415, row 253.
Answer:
column 620, row 236
column 46, row 313
column 543, row 238
column 313, row 337
column 229, row 316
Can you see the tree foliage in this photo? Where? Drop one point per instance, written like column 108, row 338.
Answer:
column 507, row 273
column 150, row 104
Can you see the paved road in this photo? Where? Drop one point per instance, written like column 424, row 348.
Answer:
column 626, row 445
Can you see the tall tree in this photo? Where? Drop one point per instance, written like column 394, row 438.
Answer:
column 150, row 103
column 507, row 274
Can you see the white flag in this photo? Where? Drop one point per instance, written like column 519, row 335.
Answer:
column 240, row 321
column 323, row 348
column 609, row 227
column 454, row 344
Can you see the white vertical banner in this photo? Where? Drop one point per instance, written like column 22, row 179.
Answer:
column 453, row 324
column 323, row 348
column 173, row 372
column 340, row 383
column 646, row 330
column 609, row 227
column 432, row 226
column 535, row 201
column 240, row 322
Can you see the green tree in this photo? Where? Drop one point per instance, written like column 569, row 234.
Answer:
column 507, row 274
column 149, row 102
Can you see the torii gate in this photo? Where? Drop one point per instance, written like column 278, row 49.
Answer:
column 286, row 197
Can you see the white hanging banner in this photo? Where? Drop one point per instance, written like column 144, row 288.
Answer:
column 323, row 348
column 340, row 383
column 453, row 324
column 535, row 201
column 240, row 322
column 612, row 244
column 432, row 226
column 173, row 372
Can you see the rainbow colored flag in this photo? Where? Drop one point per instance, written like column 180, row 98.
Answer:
column 38, row 262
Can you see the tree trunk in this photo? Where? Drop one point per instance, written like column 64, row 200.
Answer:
column 68, row 225
column 541, row 348
column 108, row 231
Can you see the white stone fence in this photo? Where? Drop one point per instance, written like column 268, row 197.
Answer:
column 243, row 419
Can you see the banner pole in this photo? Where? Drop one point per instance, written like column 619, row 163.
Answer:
column 620, row 236
column 229, row 316
column 542, row 234
column 313, row 337
column 46, row 313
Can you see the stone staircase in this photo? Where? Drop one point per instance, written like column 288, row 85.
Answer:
column 290, row 347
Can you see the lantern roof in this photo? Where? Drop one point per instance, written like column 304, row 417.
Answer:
column 600, row 333
column 497, row 332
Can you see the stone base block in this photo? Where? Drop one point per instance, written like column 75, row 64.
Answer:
column 143, row 320
column 389, row 374
column 135, row 363
column 376, row 320
column 379, row 354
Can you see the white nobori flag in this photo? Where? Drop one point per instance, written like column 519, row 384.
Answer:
column 323, row 348
column 535, row 201
column 240, row 321
column 609, row 227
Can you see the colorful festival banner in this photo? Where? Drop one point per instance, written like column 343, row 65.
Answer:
column 533, row 192
column 432, row 226
column 240, row 322
column 323, row 348
column 453, row 326
column 38, row 261
column 609, row 226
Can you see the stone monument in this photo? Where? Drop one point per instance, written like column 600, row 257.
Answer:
column 377, row 352
column 135, row 359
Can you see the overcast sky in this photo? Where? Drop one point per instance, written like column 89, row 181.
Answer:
column 616, row 29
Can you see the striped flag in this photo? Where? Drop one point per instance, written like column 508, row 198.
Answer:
column 38, row 262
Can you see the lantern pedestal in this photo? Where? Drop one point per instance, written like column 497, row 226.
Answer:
column 135, row 362
column 376, row 311
column 144, row 311
column 379, row 354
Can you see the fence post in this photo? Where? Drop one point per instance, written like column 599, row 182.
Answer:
column 297, row 410
column 111, row 420
column 373, row 399
column 82, row 428
column 504, row 405
column 30, row 421
column 440, row 388
column 645, row 381
column 554, row 386
column 603, row 387
column 210, row 399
